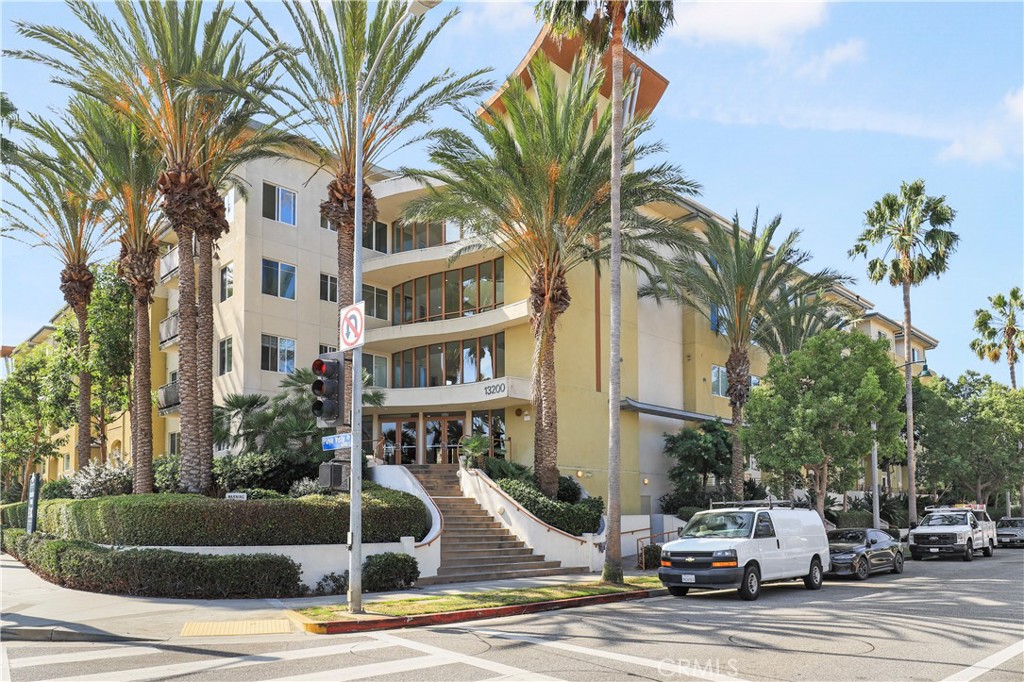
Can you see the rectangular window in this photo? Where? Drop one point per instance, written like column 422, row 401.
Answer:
column 278, row 204
column 326, row 224
column 435, row 365
column 327, row 348
column 755, row 380
column 408, row 291
column 719, row 381
column 420, row 304
column 328, row 288
column 913, row 354
column 377, row 366
column 469, row 362
column 376, row 301
column 67, row 462
column 486, row 358
column 375, row 237
column 278, row 279
column 224, row 354
column 451, row 294
column 452, row 232
column 277, row 354
column 716, row 323
column 435, row 296
column 452, row 363
column 408, row 378
column 174, row 440
column 227, row 282
column 421, row 367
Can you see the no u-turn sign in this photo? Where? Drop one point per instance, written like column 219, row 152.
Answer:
column 353, row 326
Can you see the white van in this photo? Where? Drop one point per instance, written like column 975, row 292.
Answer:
column 744, row 545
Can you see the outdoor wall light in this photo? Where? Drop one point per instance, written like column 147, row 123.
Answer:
column 579, row 474
column 647, row 481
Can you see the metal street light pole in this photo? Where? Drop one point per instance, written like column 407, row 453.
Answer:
column 415, row 8
column 876, row 521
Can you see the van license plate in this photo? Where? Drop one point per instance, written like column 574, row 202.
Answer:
column 934, row 550
column 687, row 578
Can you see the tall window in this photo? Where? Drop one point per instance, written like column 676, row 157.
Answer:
column 491, row 423
column 326, row 224
column 410, row 236
column 447, row 364
column 277, row 354
column 913, row 354
column 375, row 236
column 174, row 440
column 278, row 279
column 224, row 354
column 377, row 366
column 229, row 205
column 328, row 288
column 227, row 282
column 455, row 293
column 278, row 204
column 376, row 301
column 327, row 348
column 719, row 381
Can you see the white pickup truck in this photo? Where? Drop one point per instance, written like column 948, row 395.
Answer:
column 959, row 530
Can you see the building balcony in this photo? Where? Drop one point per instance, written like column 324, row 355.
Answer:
column 169, row 331
column 390, row 269
column 492, row 394
column 401, row 337
column 167, row 398
column 169, row 265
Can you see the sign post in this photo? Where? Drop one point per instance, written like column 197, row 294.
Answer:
column 33, row 503
column 352, row 324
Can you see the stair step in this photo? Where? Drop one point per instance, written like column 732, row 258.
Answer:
column 499, row 575
column 471, row 524
column 459, row 554
column 449, row 565
column 460, row 544
column 481, row 534
column 495, row 567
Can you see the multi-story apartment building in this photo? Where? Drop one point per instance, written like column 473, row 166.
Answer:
column 450, row 340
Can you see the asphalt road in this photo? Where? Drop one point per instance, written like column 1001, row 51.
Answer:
column 940, row 620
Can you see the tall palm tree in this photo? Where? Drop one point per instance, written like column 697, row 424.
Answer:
column 336, row 43
column 63, row 209
column 999, row 331
column 792, row 321
column 538, row 189
column 129, row 165
column 912, row 227
column 182, row 79
column 736, row 278
column 613, row 23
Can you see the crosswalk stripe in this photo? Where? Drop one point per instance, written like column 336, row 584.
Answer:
column 455, row 657
column 82, row 656
column 361, row 672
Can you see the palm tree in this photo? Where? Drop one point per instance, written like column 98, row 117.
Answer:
column 336, row 44
column 737, row 278
column 63, row 210
column 912, row 227
column 999, row 331
column 538, row 189
column 640, row 23
column 794, row 321
column 184, row 81
column 8, row 115
column 129, row 166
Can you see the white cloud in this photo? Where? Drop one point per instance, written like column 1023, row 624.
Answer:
column 996, row 139
column 820, row 66
column 764, row 24
column 490, row 16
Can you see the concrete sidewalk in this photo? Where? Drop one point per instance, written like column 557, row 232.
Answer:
column 34, row 609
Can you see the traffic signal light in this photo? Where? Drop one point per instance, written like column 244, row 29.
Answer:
column 329, row 370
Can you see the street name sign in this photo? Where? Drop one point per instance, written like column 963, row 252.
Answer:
column 339, row 441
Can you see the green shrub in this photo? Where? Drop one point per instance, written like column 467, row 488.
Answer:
column 650, row 558
column 686, row 513
column 59, row 489
column 853, row 519
column 332, row 583
column 167, row 473
column 575, row 519
column 160, row 573
column 497, row 469
column 262, row 494
column 9, row 540
column 14, row 515
column 167, row 519
column 389, row 571
column 98, row 480
column 569, row 490
column 307, row 486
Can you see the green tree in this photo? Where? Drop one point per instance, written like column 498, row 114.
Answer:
column 911, row 227
column 37, row 400
column 999, row 331
column 338, row 43
column 612, row 25
column 62, row 208
column 735, row 278
column 699, row 453
column 816, row 406
column 972, row 436
column 537, row 188
column 794, row 321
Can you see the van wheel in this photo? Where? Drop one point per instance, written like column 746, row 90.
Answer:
column 751, row 585
column 812, row 581
column 969, row 551
column 989, row 550
column 678, row 591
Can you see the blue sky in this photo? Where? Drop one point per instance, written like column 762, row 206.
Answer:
column 810, row 110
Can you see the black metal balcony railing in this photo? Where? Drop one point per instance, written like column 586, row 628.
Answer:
column 169, row 264
column 167, row 396
column 169, row 328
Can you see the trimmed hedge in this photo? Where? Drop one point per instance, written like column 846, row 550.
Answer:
column 651, row 558
column 14, row 515
column 156, row 572
column 575, row 519
column 389, row 571
column 853, row 519
column 170, row 519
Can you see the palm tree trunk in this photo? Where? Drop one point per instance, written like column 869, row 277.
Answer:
column 911, row 463
column 101, row 431
column 545, row 429
column 204, row 359
column 83, row 448
column 142, row 401
column 737, row 369
column 613, row 548
column 188, row 378
column 1011, row 357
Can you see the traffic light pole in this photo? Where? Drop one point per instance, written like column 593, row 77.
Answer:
column 355, row 526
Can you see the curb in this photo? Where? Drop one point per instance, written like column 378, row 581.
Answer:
column 395, row 622
column 18, row 634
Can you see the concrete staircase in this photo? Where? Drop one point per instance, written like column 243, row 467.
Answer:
column 475, row 546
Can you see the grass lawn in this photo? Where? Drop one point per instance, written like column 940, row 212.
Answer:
column 444, row 603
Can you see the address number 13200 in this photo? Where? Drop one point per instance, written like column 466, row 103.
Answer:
column 494, row 389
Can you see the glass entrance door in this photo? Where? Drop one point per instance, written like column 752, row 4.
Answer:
column 443, row 437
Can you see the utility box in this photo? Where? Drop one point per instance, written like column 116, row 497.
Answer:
column 336, row 475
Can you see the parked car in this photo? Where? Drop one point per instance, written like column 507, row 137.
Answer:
column 862, row 551
column 960, row 530
column 1010, row 531
column 743, row 546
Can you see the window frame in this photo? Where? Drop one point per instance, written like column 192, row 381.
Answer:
column 276, row 358
column 325, row 279
column 279, row 279
column 279, row 191
column 225, row 356
column 453, row 293
column 227, row 283
column 723, row 379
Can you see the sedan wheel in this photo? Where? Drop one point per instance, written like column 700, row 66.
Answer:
column 861, row 569
column 897, row 563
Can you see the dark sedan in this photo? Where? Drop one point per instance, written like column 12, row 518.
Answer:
column 862, row 551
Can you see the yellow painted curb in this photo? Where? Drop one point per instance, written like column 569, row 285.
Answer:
column 236, row 627
column 306, row 623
